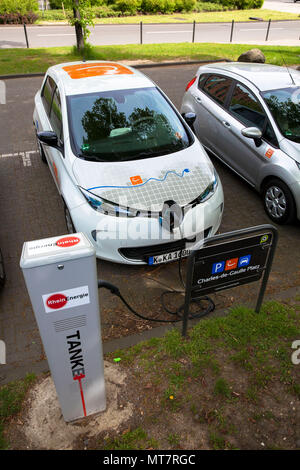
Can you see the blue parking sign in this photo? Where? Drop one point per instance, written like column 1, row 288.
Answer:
column 218, row 267
column 244, row 261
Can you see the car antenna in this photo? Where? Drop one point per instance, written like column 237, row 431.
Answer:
column 291, row 77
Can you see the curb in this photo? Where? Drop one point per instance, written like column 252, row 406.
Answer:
column 137, row 66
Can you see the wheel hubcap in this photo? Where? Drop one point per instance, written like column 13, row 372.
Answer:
column 275, row 202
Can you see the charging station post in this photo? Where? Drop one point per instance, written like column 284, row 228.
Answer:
column 61, row 279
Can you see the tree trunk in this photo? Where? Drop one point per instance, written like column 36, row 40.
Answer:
column 78, row 29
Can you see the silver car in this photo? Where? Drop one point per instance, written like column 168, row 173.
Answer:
column 248, row 115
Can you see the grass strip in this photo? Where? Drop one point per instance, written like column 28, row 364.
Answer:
column 22, row 61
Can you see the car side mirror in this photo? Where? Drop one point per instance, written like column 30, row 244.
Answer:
column 189, row 119
column 50, row 138
column 253, row 133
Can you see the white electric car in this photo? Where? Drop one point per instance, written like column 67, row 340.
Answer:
column 130, row 171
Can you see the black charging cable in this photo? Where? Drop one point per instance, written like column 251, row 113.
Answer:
column 178, row 312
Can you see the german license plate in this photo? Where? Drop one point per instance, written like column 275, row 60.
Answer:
column 167, row 257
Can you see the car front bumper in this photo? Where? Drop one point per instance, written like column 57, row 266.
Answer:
column 131, row 240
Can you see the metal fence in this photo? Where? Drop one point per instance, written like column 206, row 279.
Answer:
column 193, row 32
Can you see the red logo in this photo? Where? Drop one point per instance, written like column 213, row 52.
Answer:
column 231, row 264
column 56, row 301
column 67, row 241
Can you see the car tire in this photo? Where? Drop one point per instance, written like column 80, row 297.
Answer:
column 278, row 202
column 69, row 221
column 2, row 271
column 41, row 151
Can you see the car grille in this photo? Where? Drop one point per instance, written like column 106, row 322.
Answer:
column 141, row 253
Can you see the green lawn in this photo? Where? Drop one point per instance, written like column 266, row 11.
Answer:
column 205, row 17
column 13, row 61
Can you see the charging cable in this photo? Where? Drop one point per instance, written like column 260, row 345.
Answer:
column 178, row 312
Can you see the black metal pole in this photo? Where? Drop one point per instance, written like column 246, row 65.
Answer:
column 231, row 33
column 141, row 32
column 194, row 28
column 269, row 24
column 267, row 271
column 26, row 37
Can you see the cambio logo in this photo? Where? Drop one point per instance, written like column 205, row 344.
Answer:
column 296, row 354
column 2, row 352
column 2, row 92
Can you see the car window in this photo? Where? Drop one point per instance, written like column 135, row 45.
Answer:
column 47, row 93
column 269, row 135
column 55, row 115
column 202, row 79
column 218, row 87
column 121, row 125
column 246, row 108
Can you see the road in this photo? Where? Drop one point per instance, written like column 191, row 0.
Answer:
column 281, row 33
column 288, row 6
column 31, row 209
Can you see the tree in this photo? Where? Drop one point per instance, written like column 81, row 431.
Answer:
column 83, row 17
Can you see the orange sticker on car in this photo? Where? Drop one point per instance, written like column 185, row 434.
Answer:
column 96, row 69
column 55, row 172
column 136, row 180
column 269, row 153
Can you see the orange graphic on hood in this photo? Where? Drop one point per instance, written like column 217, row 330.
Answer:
column 96, row 69
column 136, row 179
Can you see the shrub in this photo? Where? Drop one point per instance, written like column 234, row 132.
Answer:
column 18, row 18
column 131, row 6
column 18, row 6
column 185, row 5
column 106, row 12
column 241, row 4
column 158, row 6
column 54, row 15
column 209, row 6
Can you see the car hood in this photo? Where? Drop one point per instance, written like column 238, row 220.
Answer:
column 291, row 148
column 146, row 184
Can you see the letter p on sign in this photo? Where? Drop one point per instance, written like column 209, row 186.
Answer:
column 2, row 352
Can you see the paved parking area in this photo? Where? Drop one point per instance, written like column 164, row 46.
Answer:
column 30, row 209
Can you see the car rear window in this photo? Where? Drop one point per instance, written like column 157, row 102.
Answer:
column 218, row 87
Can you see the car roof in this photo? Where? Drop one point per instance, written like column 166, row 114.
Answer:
column 97, row 75
column 263, row 76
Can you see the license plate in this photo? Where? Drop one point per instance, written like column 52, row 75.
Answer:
column 167, row 257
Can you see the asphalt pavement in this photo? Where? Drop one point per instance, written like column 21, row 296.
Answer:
column 280, row 33
column 31, row 208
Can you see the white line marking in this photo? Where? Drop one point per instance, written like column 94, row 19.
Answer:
column 168, row 32
column 46, row 35
column 259, row 29
column 24, row 155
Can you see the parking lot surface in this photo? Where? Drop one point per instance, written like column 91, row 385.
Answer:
column 30, row 208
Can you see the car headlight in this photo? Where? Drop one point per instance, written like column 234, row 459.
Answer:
column 107, row 207
column 209, row 190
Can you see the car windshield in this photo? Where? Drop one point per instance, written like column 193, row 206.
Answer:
column 124, row 125
column 284, row 105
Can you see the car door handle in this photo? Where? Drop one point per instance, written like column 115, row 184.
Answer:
column 226, row 124
column 197, row 98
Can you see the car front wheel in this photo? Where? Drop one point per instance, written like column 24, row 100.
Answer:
column 279, row 202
